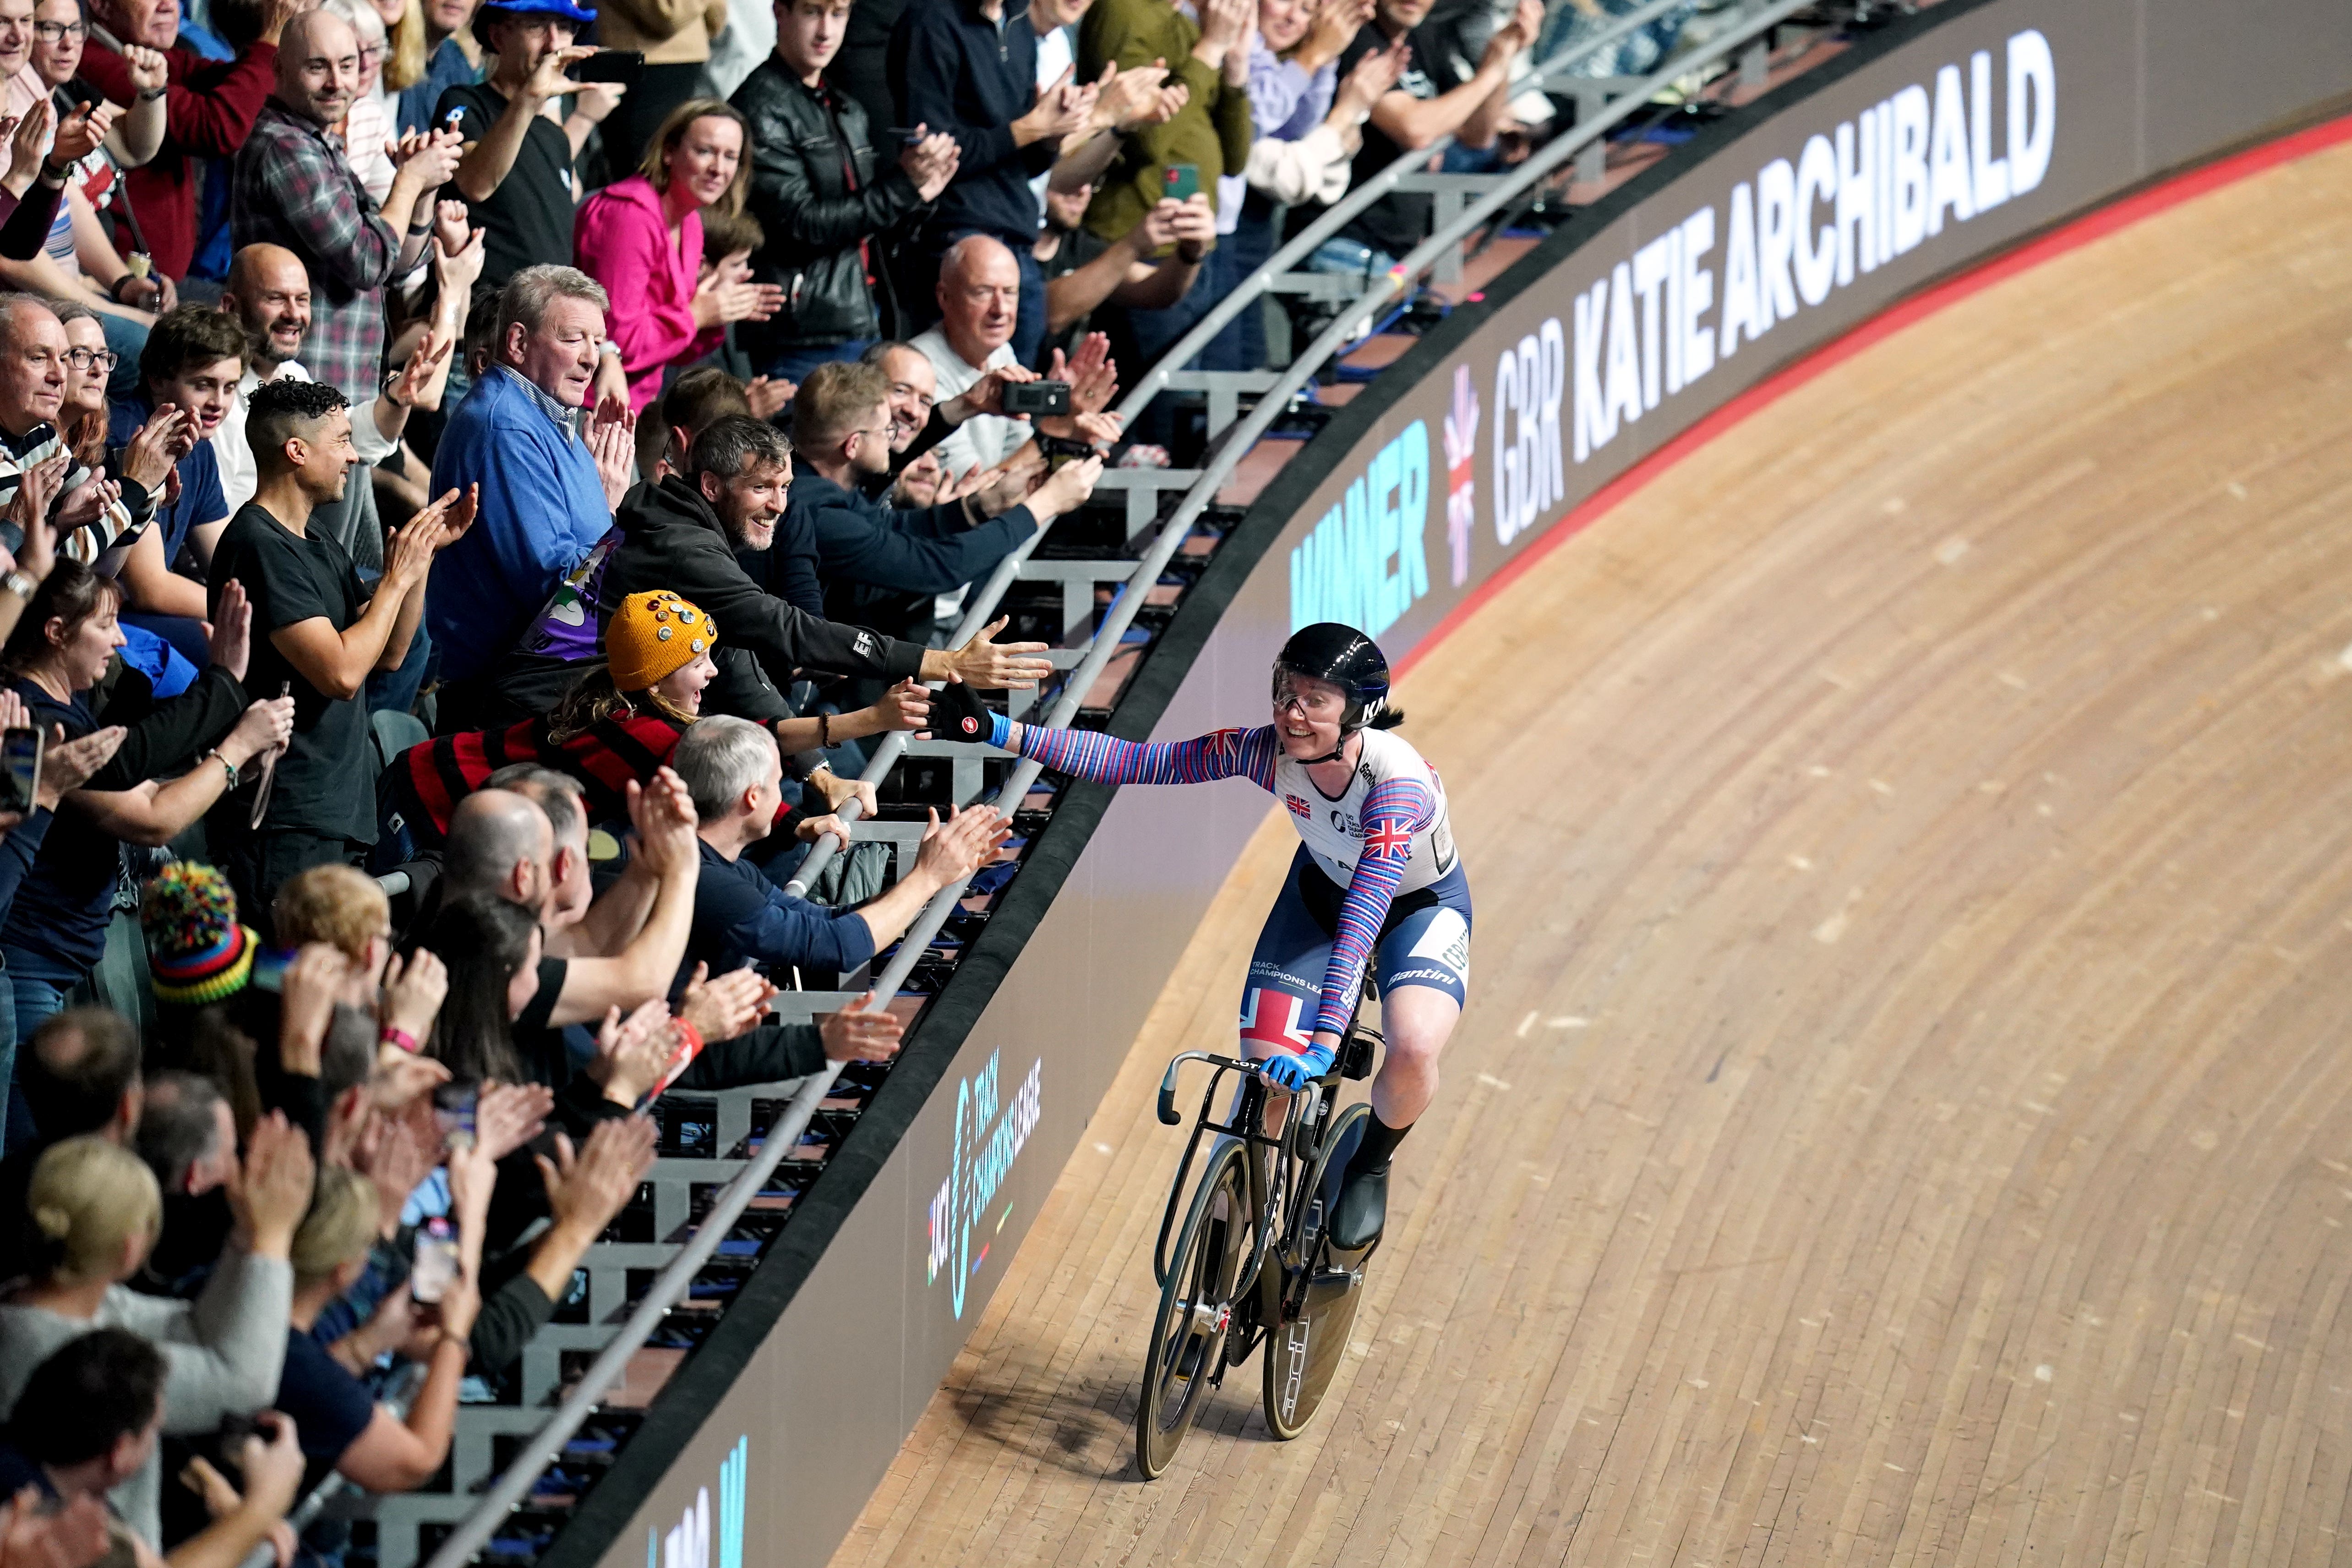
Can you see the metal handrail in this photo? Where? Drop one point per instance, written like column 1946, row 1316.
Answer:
column 670, row 1285
column 1362, row 195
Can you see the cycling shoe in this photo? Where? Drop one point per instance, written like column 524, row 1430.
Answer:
column 1361, row 1212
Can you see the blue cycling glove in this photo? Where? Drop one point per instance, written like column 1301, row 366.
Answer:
column 1294, row 1073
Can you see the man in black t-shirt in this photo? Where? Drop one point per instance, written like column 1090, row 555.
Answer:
column 516, row 174
column 322, row 633
column 1439, row 93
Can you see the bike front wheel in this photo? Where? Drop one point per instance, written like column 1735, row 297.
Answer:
column 1188, row 1335
column 1307, row 1335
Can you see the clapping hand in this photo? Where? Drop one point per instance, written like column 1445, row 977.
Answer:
column 169, row 435
column 431, row 531
column 1061, row 110
column 854, row 1035
column 612, row 439
column 413, row 990
column 729, row 1005
column 232, row 639
column 931, row 162
column 768, row 395
column 509, row 1115
column 82, row 132
column 633, row 1053
column 728, row 294
column 1518, row 33
column 36, row 488
column 66, row 766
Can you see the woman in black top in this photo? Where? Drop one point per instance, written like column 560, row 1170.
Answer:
column 60, row 660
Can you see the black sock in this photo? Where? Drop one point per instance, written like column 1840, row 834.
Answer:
column 1380, row 1141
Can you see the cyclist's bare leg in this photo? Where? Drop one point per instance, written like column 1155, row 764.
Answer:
column 1415, row 1023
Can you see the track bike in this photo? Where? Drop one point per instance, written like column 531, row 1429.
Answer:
column 1250, row 1264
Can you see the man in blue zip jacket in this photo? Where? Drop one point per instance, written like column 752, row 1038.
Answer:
column 544, row 503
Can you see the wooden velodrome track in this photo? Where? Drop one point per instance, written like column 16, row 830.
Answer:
column 1905, row 1113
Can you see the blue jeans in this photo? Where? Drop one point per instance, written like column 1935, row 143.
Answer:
column 794, row 364
column 38, row 987
column 396, row 690
column 1339, row 256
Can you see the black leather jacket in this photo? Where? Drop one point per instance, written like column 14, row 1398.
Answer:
column 803, row 144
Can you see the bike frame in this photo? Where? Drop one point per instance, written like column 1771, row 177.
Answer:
column 1247, row 1127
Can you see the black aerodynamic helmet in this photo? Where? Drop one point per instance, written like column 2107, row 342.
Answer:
column 1348, row 660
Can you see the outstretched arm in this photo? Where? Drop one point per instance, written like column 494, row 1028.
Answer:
column 1393, row 811
column 1226, row 753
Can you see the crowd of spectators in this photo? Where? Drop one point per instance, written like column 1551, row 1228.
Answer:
column 416, row 456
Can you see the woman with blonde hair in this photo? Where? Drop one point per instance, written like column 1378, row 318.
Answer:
column 404, row 52
column 335, row 1418
column 96, row 1211
column 642, row 238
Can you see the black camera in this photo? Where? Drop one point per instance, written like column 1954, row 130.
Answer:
column 1037, row 397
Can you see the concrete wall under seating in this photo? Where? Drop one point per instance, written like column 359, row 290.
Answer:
column 1596, row 350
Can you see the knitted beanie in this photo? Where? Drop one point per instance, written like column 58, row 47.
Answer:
column 196, row 950
column 653, row 635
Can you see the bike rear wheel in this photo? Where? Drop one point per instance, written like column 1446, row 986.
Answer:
column 1307, row 1336
column 1186, row 1354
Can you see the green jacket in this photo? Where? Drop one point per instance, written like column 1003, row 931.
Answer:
column 1213, row 131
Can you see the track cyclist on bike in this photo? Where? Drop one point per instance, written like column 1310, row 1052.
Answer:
column 1376, row 880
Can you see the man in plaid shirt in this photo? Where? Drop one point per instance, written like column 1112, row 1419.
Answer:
column 294, row 188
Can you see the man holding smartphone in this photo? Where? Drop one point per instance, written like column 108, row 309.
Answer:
column 516, row 174
column 1192, row 152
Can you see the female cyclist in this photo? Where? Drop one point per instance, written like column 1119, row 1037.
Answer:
column 1376, row 880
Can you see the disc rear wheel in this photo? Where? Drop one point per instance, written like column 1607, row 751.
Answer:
column 1308, row 1335
column 1188, row 1335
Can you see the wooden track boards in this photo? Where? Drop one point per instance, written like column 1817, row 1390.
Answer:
column 1906, row 1111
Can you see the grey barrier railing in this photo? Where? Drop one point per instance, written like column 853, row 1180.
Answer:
column 1466, row 202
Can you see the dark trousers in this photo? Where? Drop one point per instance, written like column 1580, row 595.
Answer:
column 1242, row 345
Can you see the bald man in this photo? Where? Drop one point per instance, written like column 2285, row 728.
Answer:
column 500, row 844
column 268, row 293
column 979, row 305
column 294, row 189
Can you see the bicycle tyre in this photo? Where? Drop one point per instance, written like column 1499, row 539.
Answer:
column 1183, row 1358
column 1308, row 1338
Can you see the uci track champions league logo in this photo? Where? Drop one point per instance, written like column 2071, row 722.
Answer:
column 989, row 1136
column 1859, row 196
column 686, row 1543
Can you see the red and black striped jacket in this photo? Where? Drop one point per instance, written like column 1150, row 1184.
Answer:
column 429, row 780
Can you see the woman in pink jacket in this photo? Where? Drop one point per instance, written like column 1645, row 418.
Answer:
column 642, row 238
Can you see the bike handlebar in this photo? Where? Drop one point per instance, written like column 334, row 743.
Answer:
column 1168, row 1114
